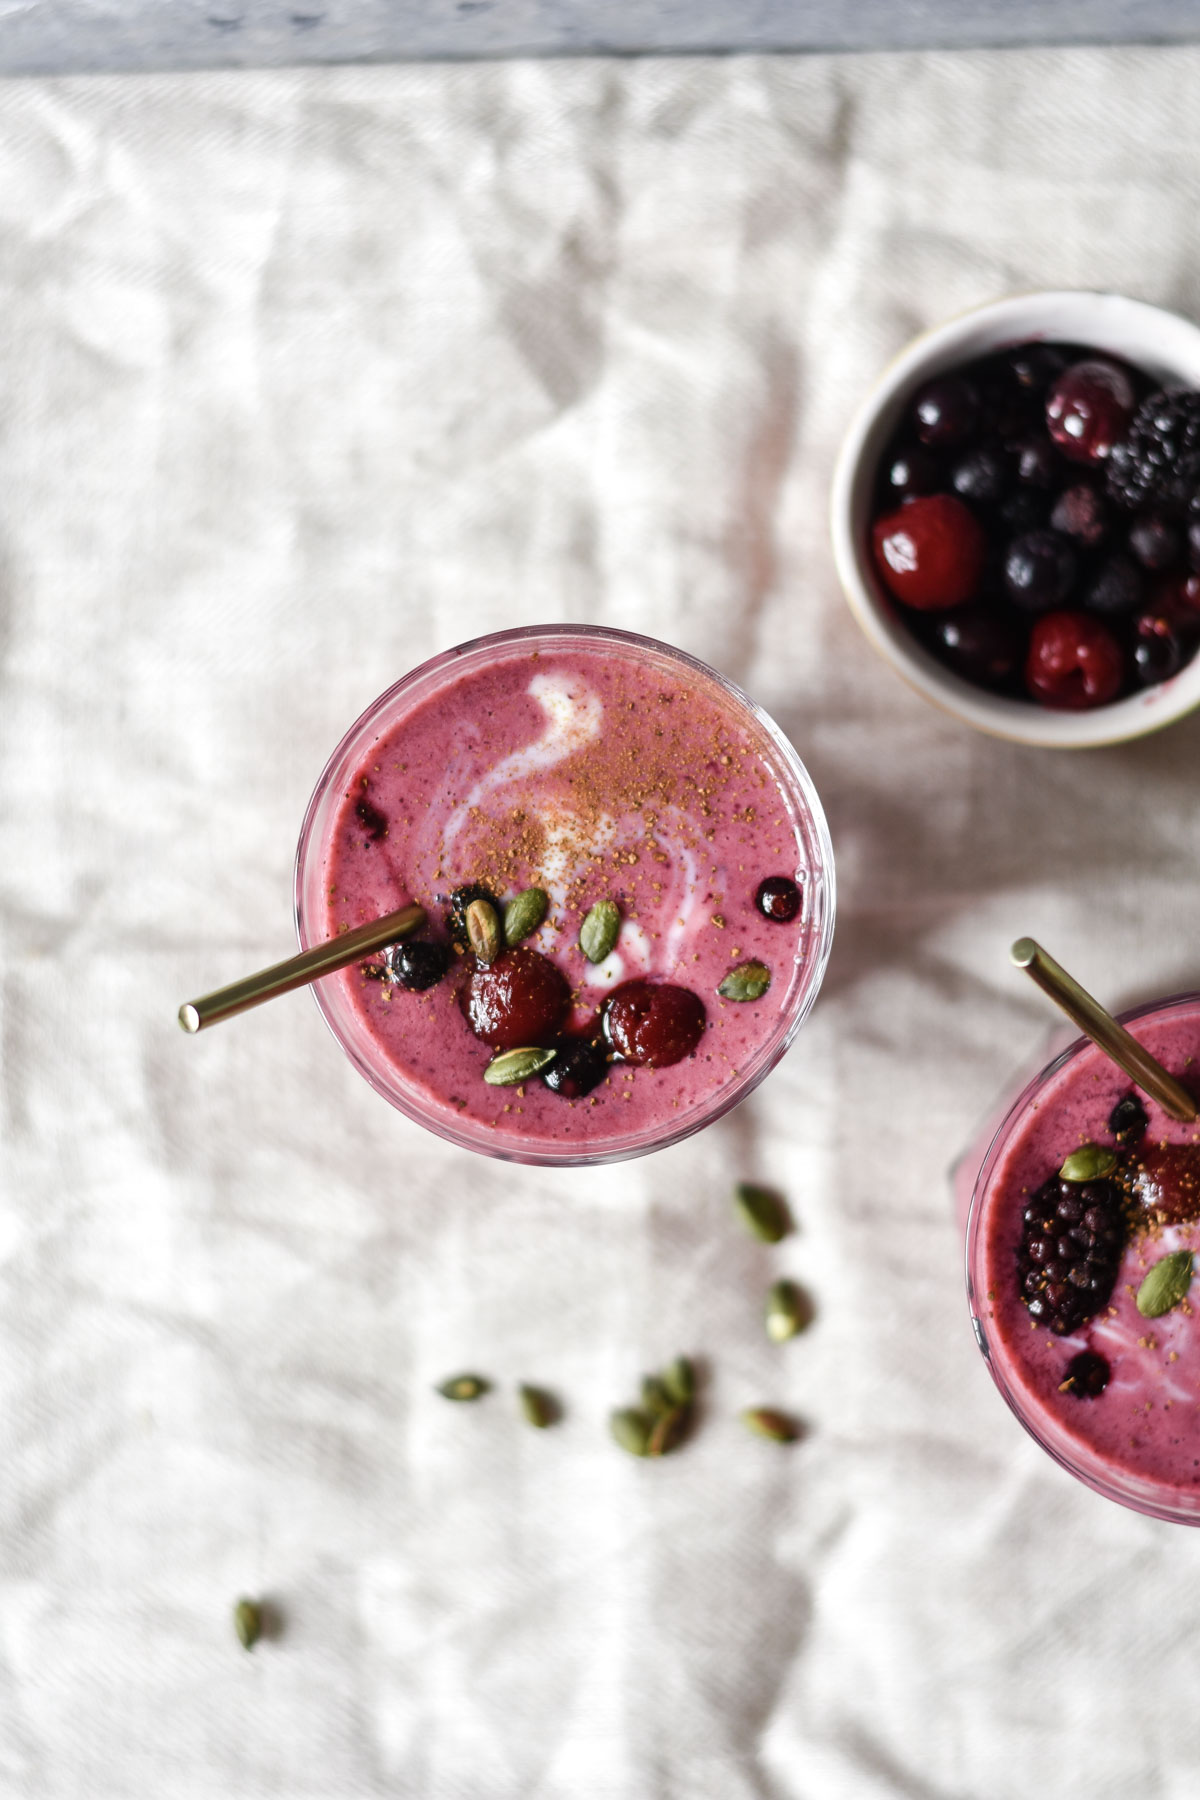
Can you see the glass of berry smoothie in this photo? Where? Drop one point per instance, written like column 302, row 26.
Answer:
column 628, row 884
column 1084, row 1213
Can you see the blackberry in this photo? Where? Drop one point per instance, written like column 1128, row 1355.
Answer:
column 1072, row 1237
column 1158, row 461
column 1087, row 1375
column 1128, row 1121
column 577, row 1069
column 456, row 909
column 415, row 966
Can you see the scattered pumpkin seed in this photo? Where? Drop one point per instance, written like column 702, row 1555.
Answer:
column 1165, row 1284
column 788, row 1311
column 766, row 1422
column 247, row 1622
column 600, row 930
column 483, row 930
column 679, row 1379
column 761, row 1211
column 668, row 1431
column 464, row 1387
column 631, row 1428
column 540, row 1408
column 1091, row 1162
column 515, row 1066
column 523, row 915
column 748, row 981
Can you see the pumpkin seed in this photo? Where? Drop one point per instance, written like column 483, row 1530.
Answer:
column 600, row 930
column 523, row 915
column 1165, row 1284
column 748, row 981
column 515, row 1066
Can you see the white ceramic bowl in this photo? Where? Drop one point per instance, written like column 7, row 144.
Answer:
column 1166, row 346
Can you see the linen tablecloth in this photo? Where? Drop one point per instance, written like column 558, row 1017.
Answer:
column 304, row 378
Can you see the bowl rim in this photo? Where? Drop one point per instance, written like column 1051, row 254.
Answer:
column 1165, row 342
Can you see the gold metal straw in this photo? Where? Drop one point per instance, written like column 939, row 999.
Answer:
column 297, row 971
column 1102, row 1028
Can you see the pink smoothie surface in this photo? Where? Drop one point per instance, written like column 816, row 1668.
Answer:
column 593, row 773
column 1141, row 1435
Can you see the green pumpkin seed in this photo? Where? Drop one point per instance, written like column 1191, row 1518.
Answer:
column 600, row 930
column 679, row 1379
column 765, row 1422
column 1165, row 1284
column 788, row 1311
column 631, row 1429
column 1091, row 1162
column 483, row 930
column 668, row 1431
column 540, row 1408
column 464, row 1387
column 749, row 981
column 761, row 1211
column 655, row 1398
column 523, row 915
column 247, row 1622
column 515, row 1066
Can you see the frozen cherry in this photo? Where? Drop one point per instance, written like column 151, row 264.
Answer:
column 981, row 644
column 981, row 475
column 1080, row 513
column 1089, row 408
column 415, row 966
column 778, row 898
column 579, row 1066
column 1039, row 568
column 946, row 412
column 1074, row 662
column 1157, row 542
column 1117, row 587
column 519, row 999
column 653, row 1022
column 930, row 553
column 914, row 470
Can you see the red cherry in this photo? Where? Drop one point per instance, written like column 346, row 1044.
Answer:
column 1088, row 409
column 521, row 998
column 1074, row 662
column 653, row 1023
column 930, row 553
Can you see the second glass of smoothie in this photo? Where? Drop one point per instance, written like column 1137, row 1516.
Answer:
column 1057, row 1254
column 599, row 767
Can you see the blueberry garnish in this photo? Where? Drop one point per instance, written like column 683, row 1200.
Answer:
column 577, row 1069
column 778, row 898
column 1128, row 1120
column 1087, row 1375
column 415, row 965
column 456, row 910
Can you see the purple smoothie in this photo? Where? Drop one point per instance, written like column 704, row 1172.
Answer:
column 1138, row 1440
column 597, row 769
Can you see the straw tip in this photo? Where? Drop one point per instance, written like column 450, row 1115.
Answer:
column 189, row 1018
column 1024, row 953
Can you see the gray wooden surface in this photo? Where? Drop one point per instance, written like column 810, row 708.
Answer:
column 51, row 35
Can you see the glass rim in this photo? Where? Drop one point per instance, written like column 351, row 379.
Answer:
column 802, row 793
column 1133, row 1492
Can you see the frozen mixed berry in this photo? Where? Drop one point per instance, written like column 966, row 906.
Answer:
column 1035, row 366
column 1117, row 587
column 1074, row 662
column 983, row 644
column 580, row 1066
column 946, row 412
column 1023, row 510
column 1037, row 464
column 1039, row 568
column 913, row 470
column 1089, row 408
column 456, row 910
column 930, row 553
column 1072, row 1238
column 1087, row 1375
column 1158, row 463
column 1158, row 651
column 653, row 1023
column 415, row 965
column 1128, row 1120
column 1080, row 513
column 1193, row 544
column 1157, row 542
column 778, row 898
column 981, row 475
column 522, row 998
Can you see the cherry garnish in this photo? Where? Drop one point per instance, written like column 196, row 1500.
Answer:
column 1166, row 1183
column 930, row 553
column 521, row 998
column 778, row 898
column 1074, row 662
column 653, row 1023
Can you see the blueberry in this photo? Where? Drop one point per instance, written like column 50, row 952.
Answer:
column 415, row 965
column 981, row 475
column 1157, row 542
column 1039, row 568
column 946, row 412
column 1037, row 465
column 912, row 470
column 1035, row 366
column 1193, row 544
column 1157, row 655
column 1116, row 588
column 1128, row 1120
column 579, row 1067
column 1024, row 509
column 980, row 643
column 778, row 898
column 456, row 912
column 1088, row 1375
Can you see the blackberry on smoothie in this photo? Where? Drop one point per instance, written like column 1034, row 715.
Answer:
column 627, row 886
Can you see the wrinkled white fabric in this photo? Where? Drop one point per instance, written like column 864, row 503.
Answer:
column 304, row 377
